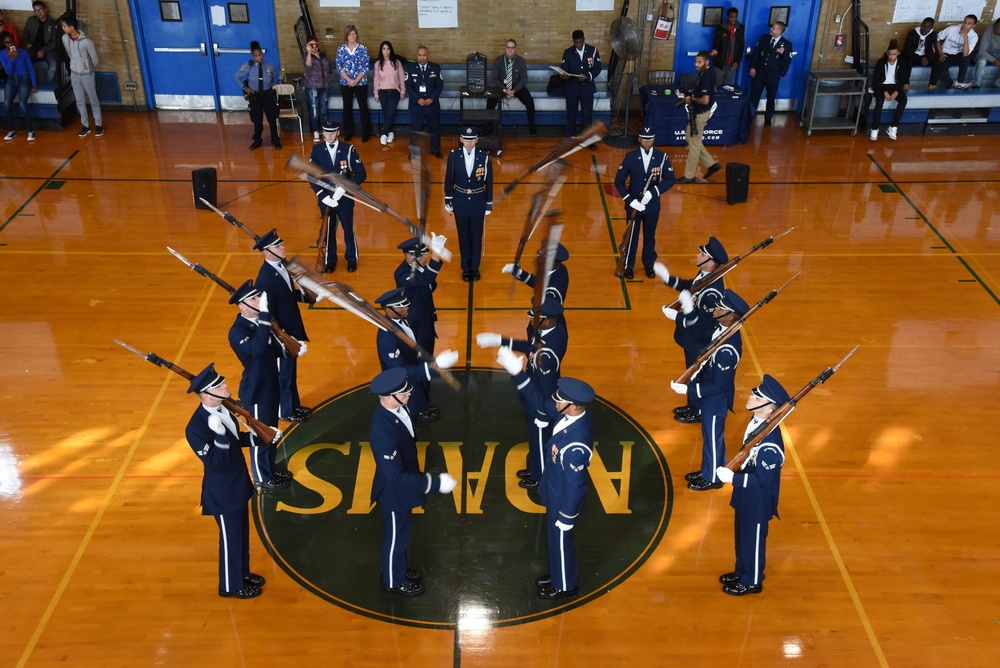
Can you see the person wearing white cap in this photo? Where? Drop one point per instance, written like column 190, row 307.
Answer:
column 468, row 194
column 338, row 157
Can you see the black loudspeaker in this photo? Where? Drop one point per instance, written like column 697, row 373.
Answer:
column 205, row 182
column 475, row 73
column 737, row 182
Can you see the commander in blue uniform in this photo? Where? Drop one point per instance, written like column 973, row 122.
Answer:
column 398, row 486
column 564, row 483
column 713, row 390
column 768, row 63
column 333, row 155
column 644, row 175
column 468, row 194
column 755, row 492
column 582, row 64
column 423, row 87
column 214, row 435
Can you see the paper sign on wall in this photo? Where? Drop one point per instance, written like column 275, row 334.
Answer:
column 437, row 13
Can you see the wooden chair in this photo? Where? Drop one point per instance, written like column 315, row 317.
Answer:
column 291, row 111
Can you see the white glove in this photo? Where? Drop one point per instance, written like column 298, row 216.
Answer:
column 510, row 360
column 637, row 205
column 215, row 424
column 337, row 194
column 489, row 210
column 508, row 268
column 489, row 340
column 302, row 346
column 262, row 304
column 562, row 526
column 679, row 388
column 320, row 298
column 437, row 244
column 645, row 198
column 660, row 270
column 687, row 302
column 724, row 474
column 669, row 312
column 330, row 202
column 447, row 483
column 277, row 435
column 449, row 208
column 447, row 359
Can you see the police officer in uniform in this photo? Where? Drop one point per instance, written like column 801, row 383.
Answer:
column 468, row 193
column 398, row 486
column 564, row 483
column 252, row 339
column 393, row 353
column 257, row 78
column 755, row 492
column 337, row 157
column 582, row 64
column 644, row 164
column 769, row 62
column 417, row 276
column 423, row 87
column 284, row 297
column 713, row 390
column 214, row 435
column 544, row 369
column 691, row 332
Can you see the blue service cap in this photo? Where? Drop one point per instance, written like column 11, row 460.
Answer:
column 206, row 380
column 244, row 292
column 470, row 133
column 647, row 132
column 551, row 308
column 574, row 391
column 395, row 297
column 414, row 246
column 267, row 240
column 733, row 302
column 771, row 390
column 714, row 250
column 331, row 126
column 390, row 381
column 562, row 253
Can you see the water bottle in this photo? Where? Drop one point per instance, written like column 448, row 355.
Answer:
column 281, row 75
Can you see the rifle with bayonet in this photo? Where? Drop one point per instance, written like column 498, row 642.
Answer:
column 543, row 265
column 588, row 137
column 714, row 345
column 292, row 345
column 231, row 218
column 780, row 413
column 721, row 271
column 633, row 217
column 264, row 432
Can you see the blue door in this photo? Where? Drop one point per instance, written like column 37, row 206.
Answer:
column 693, row 36
column 801, row 21
column 190, row 49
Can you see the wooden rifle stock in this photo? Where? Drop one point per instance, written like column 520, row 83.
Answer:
column 780, row 413
column 265, row 433
column 544, row 260
column 721, row 271
column 324, row 226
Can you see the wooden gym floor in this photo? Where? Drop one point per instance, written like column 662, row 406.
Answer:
column 886, row 552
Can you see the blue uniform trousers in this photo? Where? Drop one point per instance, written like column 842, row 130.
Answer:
column 396, row 526
column 562, row 553
column 713, row 431
column 575, row 96
column 234, row 548
column 751, row 538
column 288, row 385
column 470, row 240
column 262, row 454
column 432, row 116
column 345, row 217
column 647, row 221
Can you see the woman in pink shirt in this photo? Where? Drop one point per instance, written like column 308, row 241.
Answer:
column 389, row 88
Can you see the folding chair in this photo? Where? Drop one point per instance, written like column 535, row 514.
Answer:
column 286, row 89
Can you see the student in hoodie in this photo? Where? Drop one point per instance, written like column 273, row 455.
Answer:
column 83, row 63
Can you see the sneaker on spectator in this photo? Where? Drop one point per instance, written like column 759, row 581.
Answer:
column 84, row 131
column 392, row 137
column 10, row 135
column 891, row 133
column 961, row 86
column 99, row 131
column 31, row 136
column 383, row 140
column 316, row 138
column 873, row 134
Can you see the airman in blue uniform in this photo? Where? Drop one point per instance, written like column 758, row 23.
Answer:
column 582, row 64
column 417, row 276
column 423, row 90
column 558, row 277
column 768, row 63
column 337, row 157
column 468, row 193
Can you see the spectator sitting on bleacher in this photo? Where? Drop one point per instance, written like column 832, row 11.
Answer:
column 921, row 48
column 891, row 80
column 989, row 52
column 511, row 72
column 956, row 44
column 41, row 39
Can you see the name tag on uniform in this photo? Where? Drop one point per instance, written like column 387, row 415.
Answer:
column 423, row 88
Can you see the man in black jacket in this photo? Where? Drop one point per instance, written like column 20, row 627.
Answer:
column 921, row 48
column 891, row 79
column 728, row 47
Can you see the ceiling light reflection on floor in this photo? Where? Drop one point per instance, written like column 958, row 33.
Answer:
column 10, row 478
column 792, row 648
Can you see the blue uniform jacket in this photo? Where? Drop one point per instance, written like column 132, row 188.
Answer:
column 718, row 376
column 632, row 170
column 558, row 281
column 757, row 484
column 258, row 351
column 393, row 353
column 771, row 61
column 419, row 288
column 470, row 195
column 431, row 80
column 574, row 65
column 545, row 362
column 346, row 162
column 398, row 484
column 226, row 486
column 283, row 301
column 691, row 331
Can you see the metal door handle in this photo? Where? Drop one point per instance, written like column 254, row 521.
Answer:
column 177, row 49
column 204, row 51
column 215, row 49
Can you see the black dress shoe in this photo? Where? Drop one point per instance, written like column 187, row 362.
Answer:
column 293, row 418
column 277, row 146
column 428, row 416
column 438, row 155
column 433, row 410
column 683, row 409
column 329, row 269
column 691, row 417
column 247, row 592
column 712, row 170
column 737, row 589
column 365, row 138
column 476, row 276
column 524, row 474
column 533, row 130
column 699, row 484
column 543, row 580
column 549, row 593
column 767, row 122
column 408, row 588
column 413, row 575
column 281, row 474
column 466, row 276
column 255, row 580
column 650, row 273
column 593, row 147
column 527, row 483
column 302, row 413
column 691, row 477
column 272, row 485
column 629, row 274
column 256, row 144
column 684, row 180
column 729, row 578
column 352, row 267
